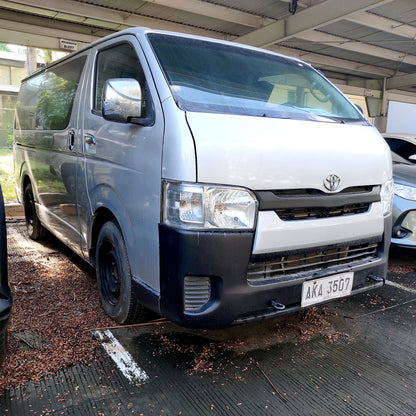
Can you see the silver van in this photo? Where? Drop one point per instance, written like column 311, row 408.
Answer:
column 210, row 182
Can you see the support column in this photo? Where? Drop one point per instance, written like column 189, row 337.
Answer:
column 31, row 62
column 381, row 121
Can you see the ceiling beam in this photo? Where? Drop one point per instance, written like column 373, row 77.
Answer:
column 311, row 18
column 403, row 96
column 98, row 16
column 351, row 89
column 215, row 11
column 38, row 36
column 88, row 19
column 304, row 3
column 52, row 9
column 384, row 24
column 403, row 81
column 16, row 18
column 33, row 41
column 355, row 46
column 342, row 65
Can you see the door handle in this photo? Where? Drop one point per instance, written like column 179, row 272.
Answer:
column 89, row 139
column 70, row 140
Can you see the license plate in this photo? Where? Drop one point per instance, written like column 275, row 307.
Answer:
column 326, row 288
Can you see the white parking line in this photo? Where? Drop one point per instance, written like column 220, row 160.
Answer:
column 399, row 286
column 121, row 357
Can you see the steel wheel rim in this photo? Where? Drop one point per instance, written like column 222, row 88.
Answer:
column 111, row 276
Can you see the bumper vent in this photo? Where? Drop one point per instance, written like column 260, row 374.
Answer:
column 284, row 266
column 197, row 292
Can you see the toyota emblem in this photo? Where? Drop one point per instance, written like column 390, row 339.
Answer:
column 332, row 182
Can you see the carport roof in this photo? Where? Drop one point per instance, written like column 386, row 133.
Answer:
column 353, row 41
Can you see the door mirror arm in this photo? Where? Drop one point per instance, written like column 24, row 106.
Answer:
column 142, row 121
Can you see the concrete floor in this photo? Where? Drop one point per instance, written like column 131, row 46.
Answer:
column 354, row 356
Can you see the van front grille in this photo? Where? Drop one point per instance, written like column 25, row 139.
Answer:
column 292, row 214
column 306, row 204
column 285, row 266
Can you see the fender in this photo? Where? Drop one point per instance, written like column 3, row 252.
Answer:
column 104, row 196
column 25, row 171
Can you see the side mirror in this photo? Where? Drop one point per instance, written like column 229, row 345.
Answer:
column 122, row 100
column 412, row 158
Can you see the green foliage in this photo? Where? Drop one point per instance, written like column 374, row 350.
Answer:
column 7, row 175
column 4, row 47
column 47, row 55
column 55, row 101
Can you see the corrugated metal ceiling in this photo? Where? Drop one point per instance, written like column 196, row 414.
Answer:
column 354, row 39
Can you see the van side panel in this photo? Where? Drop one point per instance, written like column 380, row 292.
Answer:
column 47, row 146
column 122, row 173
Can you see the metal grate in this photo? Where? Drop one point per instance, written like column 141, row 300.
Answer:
column 293, row 214
column 288, row 265
column 197, row 292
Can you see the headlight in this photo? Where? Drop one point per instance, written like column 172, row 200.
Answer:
column 196, row 206
column 386, row 195
column 406, row 192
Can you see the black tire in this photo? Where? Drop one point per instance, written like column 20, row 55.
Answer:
column 114, row 277
column 34, row 227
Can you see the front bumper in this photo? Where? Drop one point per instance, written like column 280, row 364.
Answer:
column 219, row 261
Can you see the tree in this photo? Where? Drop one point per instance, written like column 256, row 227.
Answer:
column 4, row 47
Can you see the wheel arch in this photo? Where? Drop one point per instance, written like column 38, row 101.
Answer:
column 107, row 206
column 22, row 179
column 26, row 180
column 101, row 216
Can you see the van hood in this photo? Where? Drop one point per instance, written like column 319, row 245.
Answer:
column 267, row 153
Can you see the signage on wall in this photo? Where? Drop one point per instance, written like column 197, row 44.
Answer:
column 68, row 45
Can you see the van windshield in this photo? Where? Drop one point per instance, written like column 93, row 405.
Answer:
column 206, row 76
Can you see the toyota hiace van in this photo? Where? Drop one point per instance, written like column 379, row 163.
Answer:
column 210, row 182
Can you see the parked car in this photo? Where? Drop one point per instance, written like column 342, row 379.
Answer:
column 402, row 144
column 403, row 148
column 209, row 195
column 5, row 294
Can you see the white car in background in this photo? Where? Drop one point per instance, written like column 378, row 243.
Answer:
column 403, row 147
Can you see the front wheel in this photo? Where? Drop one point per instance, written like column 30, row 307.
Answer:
column 34, row 227
column 114, row 277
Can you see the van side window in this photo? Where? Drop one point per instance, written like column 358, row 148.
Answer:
column 46, row 99
column 120, row 61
